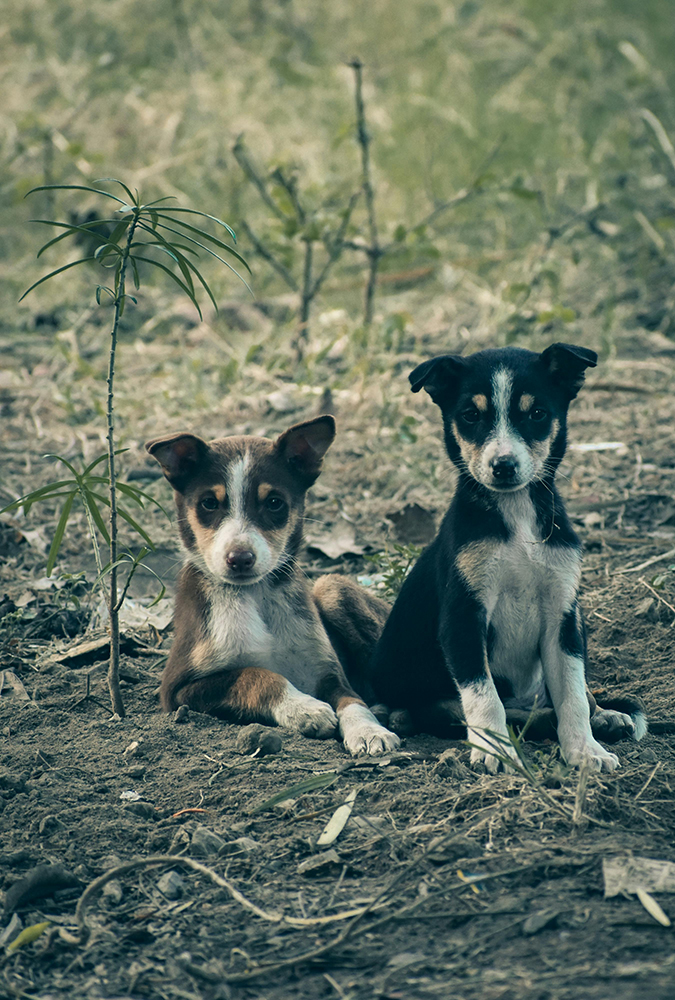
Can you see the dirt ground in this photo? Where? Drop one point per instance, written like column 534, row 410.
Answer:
column 444, row 882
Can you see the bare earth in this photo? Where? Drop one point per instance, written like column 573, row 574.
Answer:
column 389, row 910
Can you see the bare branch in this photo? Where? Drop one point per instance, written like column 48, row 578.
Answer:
column 337, row 246
column 290, row 186
column 267, row 255
column 240, row 155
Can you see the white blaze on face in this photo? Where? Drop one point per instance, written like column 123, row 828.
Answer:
column 236, row 531
column 504, row 441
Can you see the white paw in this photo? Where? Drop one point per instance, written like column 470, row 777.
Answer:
column 598, row 758
column 494, row 752
column 307, row 715
column 363, row 734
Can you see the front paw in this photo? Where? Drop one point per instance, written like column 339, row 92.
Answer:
column 493, row 752
column 308, row 716
column 593, row 753
column 363, row 734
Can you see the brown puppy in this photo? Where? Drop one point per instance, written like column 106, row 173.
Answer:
column 250, row 644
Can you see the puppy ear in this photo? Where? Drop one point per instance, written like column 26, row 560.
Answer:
column 439, row 376
column 567, row 364
column 304, row 445
column 179, row 455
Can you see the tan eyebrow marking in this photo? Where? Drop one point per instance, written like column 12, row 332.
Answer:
column 480, row 402
column 219, row 492
column 526, row 402
column 264, row 490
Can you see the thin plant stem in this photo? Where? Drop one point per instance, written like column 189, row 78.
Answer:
column 113, row 606
column 373, row 251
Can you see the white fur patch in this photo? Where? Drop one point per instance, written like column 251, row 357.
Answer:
column 304, row 714
column 485, row 715
column 504, row 441
column 362, row 733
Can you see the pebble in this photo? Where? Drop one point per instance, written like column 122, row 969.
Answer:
column 256, row 737
column 246, row 844
column 171, row 885
column 49, row 824
column 144, row 809
column 205, row 841
column 648, row 756
column 181, row 714
column 318, row 861
column 113, row 891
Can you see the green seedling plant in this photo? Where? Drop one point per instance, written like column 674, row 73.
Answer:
column 394, row 565
column 134, row 233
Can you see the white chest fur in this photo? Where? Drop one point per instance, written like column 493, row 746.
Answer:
column 258, row 626
column 526, row 586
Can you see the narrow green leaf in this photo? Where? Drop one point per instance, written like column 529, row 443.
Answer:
column 312, row 784
column 162, row 267
column 134, row 268
column 44, row 493
column 85, row 227
column 133, row 490
column 115, row 180
column 73, row 187
column 74, row 263
column 204, row 283
column 129, row 491
column 150, row 204
column 88, row 498
column 206, row 236
column 100, row 253
column 97, row 461
column 205, row 215
column 64, row 461
column 134, row 524
column 58, row 534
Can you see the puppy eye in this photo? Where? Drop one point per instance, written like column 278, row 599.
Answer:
column 471, row 415
column 274, row 504
column 538, row 415
column 209, row 503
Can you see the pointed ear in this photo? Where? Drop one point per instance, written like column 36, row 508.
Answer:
column 179, row 455
column 567, row 364
column 304, row 445
column 439, row 376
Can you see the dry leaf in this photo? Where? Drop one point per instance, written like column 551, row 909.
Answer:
column 652, row 907
column 626, row 874
column 338, row 821
column 339, row 541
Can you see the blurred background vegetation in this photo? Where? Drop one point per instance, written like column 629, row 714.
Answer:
column 558, row 117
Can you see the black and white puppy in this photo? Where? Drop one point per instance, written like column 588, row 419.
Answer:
column 488, row 620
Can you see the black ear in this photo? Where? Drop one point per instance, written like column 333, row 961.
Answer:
column 179, row 456
column 439, row 376
column 304, row 445
column 567, row 364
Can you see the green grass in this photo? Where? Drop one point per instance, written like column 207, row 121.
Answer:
column 553, row 93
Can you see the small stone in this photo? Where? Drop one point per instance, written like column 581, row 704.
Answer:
column 144, row 809
column 137, row 771
column 256, row 737
column 318, row 861
column 539, row 921
column 49, row 824
column 181, row 714
column 205, row 841
column 648, row 756
column 171, row 885
column 246, row 844
column 113, row 892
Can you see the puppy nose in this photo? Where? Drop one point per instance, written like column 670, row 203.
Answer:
column 504, row 468
column 240, row 560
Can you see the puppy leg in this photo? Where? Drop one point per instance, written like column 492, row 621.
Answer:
column 360, row 731
column 257, row 695
column 462, row 637
column 353, row 619
column 563, row 649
